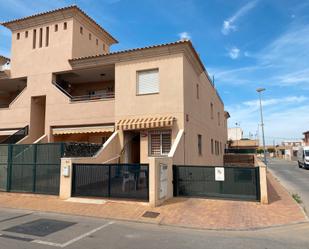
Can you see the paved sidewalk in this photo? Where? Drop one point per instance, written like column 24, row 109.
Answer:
column 185, row 212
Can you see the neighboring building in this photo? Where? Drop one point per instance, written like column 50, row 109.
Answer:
column 246, row 144
column 235, row 133
column 306, row 138
column 66, row 85
column 293, row 143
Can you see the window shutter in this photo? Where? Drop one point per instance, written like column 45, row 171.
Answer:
column 148, row 82
column 155, row 144
column 166, row 143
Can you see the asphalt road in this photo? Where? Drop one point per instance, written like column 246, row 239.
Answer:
column 293, row 178
column 91, row 233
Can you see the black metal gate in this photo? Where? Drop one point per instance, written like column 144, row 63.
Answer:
column 199, row 181
column 130, row 181
column 34, row 168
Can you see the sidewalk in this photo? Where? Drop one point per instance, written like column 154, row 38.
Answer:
column 184, row 212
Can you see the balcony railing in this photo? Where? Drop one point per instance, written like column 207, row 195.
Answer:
column 107, row 95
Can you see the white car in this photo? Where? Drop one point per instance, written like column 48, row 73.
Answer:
column 303, row 157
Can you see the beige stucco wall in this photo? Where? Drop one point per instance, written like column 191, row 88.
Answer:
column 26, row 61
column 168, row 102
column 82, row 46
column 199, row 118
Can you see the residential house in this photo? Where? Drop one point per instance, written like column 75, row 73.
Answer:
column 306, row 138
column 153, row 105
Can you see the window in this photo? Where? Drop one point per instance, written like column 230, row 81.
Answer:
column 18, row 36
column 65, row 26
column 148, row 82
column 34, row 39
column 56, row 27
column 199, row 144
column 89, row 36
column 41, row 38
column 103, row 47
column 160, row 142
column 212, row 110
column 81, row 30
column 26, row 34
column 197, row 91
column 219, row 121
column 47, row 37
column 212, row 146
column 97, row 42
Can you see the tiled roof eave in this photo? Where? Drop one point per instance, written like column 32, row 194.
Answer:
column 19, row 23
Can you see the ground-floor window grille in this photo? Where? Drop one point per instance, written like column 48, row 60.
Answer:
column 160, row 142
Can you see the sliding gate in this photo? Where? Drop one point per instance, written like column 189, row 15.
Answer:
column 31, row 168
column 129, row 181
column 200, row 181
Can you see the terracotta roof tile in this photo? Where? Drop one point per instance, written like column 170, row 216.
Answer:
column 73, row 7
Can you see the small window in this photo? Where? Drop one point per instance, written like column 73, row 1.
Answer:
column 197, row 91
column 199, row 144
column 81, row 30
column 18, row 36
column 219, row 121
column 103, row 47
column 41, row 38
column 56, row 27
column 47, row 37
column 212, row 146
column 148, row 82
column 34, row 39
column 26, row 34
column 212, row 110
column 160, row 142
column 89, row 36
column 97, row 42
column 65, row 25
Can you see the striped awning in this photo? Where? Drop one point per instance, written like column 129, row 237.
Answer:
column 84, row 129
column 144, row 123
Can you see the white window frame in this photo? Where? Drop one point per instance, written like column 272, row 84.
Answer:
column 137, row 81
column 161, row 132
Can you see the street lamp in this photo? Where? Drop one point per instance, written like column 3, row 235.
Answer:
column 260, row 90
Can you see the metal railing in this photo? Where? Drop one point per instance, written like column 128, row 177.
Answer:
column 17, row 136
column 107, row 95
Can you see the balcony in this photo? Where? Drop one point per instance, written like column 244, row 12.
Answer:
column 10, row 89
column 87, row 85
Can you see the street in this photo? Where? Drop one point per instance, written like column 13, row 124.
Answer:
column 293, row 178
column 28, row 229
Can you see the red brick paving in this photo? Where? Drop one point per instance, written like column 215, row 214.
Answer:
column 186, row 212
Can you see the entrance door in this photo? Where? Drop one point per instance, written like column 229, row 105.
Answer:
column 135, row 148
column 3, row 166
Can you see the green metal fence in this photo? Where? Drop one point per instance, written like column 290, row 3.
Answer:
column 239, row 182
column 31, row 168
column 4, row 153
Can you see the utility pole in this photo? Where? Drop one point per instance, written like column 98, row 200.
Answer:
column 260, row 90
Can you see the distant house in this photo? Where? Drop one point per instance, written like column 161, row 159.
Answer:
column 306, row 139
column 235, row 133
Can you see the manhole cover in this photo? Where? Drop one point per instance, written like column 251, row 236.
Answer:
column 149, row 214
column 41, row 227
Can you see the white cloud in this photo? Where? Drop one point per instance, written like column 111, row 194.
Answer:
column 184, row 36
column 276, row 101
column 234, row 53
column 278, row 114
column 229, row 24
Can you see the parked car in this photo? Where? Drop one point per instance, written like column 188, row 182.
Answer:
column 303, row 157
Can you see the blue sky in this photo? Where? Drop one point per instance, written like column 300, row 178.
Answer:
column 245, row 44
